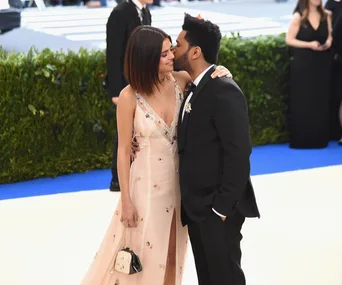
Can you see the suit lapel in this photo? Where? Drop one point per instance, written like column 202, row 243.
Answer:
column 134, row 14
column 149, row 17
column 182, row 125
column 179, row 126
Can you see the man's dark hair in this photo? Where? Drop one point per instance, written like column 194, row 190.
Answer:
column 204, row 34
column 142, row 58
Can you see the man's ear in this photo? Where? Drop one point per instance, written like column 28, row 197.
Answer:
column 196, row 52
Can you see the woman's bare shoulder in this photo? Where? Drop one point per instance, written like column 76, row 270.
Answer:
column 127, row 97
column 296, row 17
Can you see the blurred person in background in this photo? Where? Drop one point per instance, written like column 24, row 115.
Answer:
column 310, row 36
column 124, row 18
column 334, row 7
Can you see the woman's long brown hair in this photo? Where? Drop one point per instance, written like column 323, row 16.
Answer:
column 303, row 8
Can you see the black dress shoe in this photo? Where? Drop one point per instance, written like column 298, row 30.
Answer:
column 114, row 186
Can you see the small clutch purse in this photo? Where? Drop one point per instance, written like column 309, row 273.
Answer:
column 127, row 261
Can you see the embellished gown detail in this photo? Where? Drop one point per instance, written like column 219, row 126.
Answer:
column 154, row 190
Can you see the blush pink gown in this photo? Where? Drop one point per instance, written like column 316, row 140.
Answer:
column 155, row 192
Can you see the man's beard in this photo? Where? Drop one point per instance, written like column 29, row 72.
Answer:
column 182, row 63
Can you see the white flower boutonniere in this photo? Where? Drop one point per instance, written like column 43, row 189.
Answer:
column 188, row 107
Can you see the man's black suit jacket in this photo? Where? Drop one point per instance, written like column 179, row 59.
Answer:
column 120, row 25
column 214, row 149
column 336, row 8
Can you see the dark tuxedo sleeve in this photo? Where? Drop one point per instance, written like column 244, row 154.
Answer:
column 329, row 5
column 232, row 124
column 116, row 30
column 337, row 32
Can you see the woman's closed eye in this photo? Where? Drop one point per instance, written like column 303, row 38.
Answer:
column 166, row 53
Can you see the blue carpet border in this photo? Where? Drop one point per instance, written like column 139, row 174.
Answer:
column 266, row 159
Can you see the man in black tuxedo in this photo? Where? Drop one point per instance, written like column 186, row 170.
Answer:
column 214, row 148
column 124, row 18
column 335, row 9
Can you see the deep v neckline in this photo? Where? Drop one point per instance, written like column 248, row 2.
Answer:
column 319, row 24
column 157, row 115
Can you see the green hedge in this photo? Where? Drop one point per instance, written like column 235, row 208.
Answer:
column 261, row 68
column 56, row 118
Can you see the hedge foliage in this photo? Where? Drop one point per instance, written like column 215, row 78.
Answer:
column 57, row 119
column 261, row 68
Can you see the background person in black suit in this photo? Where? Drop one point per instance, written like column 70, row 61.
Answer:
column 124, row 18
column 214, row 148
column 335, row 8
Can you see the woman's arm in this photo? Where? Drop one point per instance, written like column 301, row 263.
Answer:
column 183, row 78
column 329, row 40
column 292, row 34
column 125, row 115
